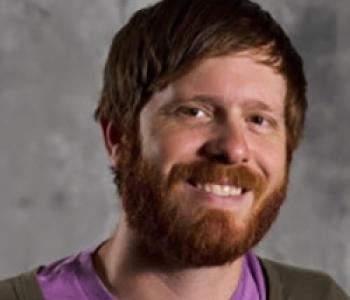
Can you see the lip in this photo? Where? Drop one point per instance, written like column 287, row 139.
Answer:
column 218, row 201
column 222, row 181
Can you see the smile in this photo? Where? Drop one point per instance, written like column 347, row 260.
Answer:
column 228, row 196
column 220, row 190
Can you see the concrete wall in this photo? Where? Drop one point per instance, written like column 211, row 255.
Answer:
column 56, row 191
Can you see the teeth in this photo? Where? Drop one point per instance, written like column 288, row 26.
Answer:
column 220, row 190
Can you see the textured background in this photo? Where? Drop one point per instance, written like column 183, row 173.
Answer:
column 56, row 190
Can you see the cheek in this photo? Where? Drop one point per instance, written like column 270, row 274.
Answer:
column 277, row 165
column 270, row 155
column 169, row 147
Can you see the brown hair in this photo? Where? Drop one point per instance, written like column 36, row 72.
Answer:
column 162, row 42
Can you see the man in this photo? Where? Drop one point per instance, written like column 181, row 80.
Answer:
column 202, row 108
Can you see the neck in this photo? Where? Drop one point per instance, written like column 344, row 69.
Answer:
column 129, row 273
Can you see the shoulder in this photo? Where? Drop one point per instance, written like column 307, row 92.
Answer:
column 23, row 286
column 66, row 278
column 45, row 280
column 7, row 289
column 290, row 282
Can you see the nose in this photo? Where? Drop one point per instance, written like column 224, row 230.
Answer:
column 228, row 146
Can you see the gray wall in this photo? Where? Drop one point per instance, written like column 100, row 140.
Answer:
column 56, row 191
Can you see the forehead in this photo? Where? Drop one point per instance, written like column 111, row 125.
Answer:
column 231, row 79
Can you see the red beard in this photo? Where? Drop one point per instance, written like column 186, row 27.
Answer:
column 175, row 230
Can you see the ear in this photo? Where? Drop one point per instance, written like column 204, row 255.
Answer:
column 112, row 138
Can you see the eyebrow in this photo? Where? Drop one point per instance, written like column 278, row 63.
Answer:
column 204, row 99
column 217, row 101
column 257, row 104
column 251, row 103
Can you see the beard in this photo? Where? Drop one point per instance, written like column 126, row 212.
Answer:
column 187, row 233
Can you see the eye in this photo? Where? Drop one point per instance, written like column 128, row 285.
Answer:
column 258, row 119
column 262, row 122
column 191, row 111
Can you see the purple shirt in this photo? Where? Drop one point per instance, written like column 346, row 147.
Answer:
column 74, row 277
column 251, row 285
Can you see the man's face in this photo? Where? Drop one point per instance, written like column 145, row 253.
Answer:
column 204, row 179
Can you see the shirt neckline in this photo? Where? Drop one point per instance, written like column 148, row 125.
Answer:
column 95, row 289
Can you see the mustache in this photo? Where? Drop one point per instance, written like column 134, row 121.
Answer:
column 205, row 172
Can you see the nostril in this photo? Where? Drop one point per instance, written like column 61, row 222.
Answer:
column 221, row 157
column 244, row 160
column 191, row 182
column 230, row 152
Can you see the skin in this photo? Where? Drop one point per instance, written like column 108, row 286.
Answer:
column 241, row 122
